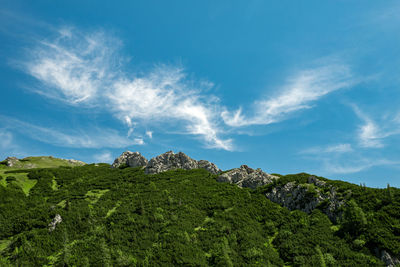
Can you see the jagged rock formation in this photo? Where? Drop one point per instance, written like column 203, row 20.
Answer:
column 130, row 159
column 56, row 220
column 306, row 197
column 247, row 177
column 169, row 161
column 164, row 162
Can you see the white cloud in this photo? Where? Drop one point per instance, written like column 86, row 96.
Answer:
column 138, row 141
column 332, row 149
column 304, row 88
column 76, row 65
column 354, row 166
column 149, row 134
column 6, row 139
column 85, row 69
column 91, row 138
column 371, row 134
column 103, row 157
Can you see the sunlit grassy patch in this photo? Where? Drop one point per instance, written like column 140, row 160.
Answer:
column 111, row 211
column 94, row 195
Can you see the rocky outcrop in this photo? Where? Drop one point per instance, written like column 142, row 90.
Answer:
column 76, row 162
column 164, row 162
column 389, row 260
column 11, row 161
column 170, row 161
column 130, row 159
column 247, row 177
column 306, row 197
column 56, row 220
column 209, row 166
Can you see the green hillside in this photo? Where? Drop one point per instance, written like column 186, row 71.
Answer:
column 123, row 217
column 21, row 178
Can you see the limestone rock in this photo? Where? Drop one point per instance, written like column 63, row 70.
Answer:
column 75, row 162
column 131, row 159
column 247, row 177
column 306, row 197
column 389, row 260
column 11, row 161
column 209, row 166
column 56, row 220
column 170, row 161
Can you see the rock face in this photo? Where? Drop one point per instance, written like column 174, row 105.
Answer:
column 164, row 162
column 76, row 162
column 11, row 161
column 56, row 220
column 306, row 197
column 170, row 161
column 247, row 177
column 389, row 260
column 131, row 159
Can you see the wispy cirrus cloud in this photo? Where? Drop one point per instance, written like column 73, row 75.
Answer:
column 86, row 69
column 356, row 165
column 92, row 138
column 299, row 93
column 74, row 66
column 6, row 139
column 105, row 156
column 372, row 134
column 330, row 149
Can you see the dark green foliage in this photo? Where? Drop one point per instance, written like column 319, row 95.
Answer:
column 10, row 179
column 122, row 217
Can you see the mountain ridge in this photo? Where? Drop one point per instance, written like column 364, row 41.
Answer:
column 296, row 215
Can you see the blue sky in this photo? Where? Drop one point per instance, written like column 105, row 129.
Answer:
column 307, row 86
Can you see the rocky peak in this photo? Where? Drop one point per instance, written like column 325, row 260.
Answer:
column 164, row 162
column 169, row 161
column 247, row 177
column 130, row 159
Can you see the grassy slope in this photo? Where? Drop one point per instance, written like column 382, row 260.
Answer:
column 124, row 217
column 29, row 163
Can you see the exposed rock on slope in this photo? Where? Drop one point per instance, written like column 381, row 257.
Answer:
column 11, row 161
column 389, row 260
column 130, row 159
column 56, row 220
column 76, row 162
column 164, row 162
column 170, row 161
column 306, row 197
column 247, row 177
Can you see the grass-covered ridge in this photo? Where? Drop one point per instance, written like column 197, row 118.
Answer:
column 16, row 173
column 123, row 217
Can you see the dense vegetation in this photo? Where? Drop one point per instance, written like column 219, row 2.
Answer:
column 123, row 217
